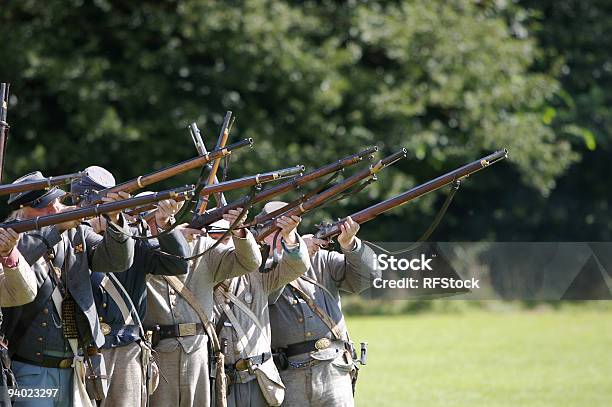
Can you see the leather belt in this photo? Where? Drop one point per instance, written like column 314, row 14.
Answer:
column 313, row 345
column 47, row 361
column 178, row 331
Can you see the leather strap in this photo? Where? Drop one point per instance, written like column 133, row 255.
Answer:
column 333, row 327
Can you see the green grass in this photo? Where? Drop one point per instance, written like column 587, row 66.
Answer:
column 486, row 359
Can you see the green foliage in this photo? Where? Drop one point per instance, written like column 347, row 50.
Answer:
column 115, row 83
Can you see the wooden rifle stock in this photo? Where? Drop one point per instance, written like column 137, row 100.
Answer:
column 4, row 126
column 45, row 183
column 168, row 172
column 238, row 183
column 21, row 226
column 223, row 136
column 270, row 227
column 332, row 229
column 200, row 221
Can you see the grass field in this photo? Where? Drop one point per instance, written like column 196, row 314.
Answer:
column 486, row 359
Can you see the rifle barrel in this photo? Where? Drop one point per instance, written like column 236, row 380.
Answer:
column 199, row 221
column 21, row 226
column 373, row 211
column 45, row 183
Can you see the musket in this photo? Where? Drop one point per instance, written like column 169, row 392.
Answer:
column 201, row 148
column 45, row 183
column 165, row 173
column 223, row 136
column 329, row 230
column 270, row 227
column 243, row 182
column 4, row 126
column 21, row 226
column 200, row 221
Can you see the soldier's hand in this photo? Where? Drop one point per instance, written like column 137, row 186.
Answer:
column 288, row 226
column 114, row 197
column 231, row 217
column 8, row 241
column 166, row 210
column 313, row 244
column 188, row 233
column 349, row 229
column 71, row 224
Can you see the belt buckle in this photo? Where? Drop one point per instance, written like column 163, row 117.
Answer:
column 65, row 363
column 189, row 329
column 243, row 364
column 322, row 343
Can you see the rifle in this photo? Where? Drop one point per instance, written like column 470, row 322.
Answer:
column 201, row 147
column 21, row 226
column 200, row 221
column 270, row 227
column 4, row 126
column 212, row 176
column 238, row 183
column 165, row 173
column 45, row 183
column 328, row 230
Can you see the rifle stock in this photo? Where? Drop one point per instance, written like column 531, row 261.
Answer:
column 269, row 227
column 329, row 230
column 168, row 172
column 200, row 221
column 4, row 126
column 21, row 226
column 45, row 183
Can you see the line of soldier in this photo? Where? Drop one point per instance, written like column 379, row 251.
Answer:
column 119, row 311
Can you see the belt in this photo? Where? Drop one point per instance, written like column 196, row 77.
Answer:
column 177, row 331
column 47, row 361
column 307, row 346
column 247, row 363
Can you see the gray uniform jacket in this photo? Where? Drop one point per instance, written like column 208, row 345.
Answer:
column 77, row 251
column 252, row 290
column 166, row 307
column 292, row 319
column 17, row 285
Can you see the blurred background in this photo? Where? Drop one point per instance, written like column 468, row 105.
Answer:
column 115, row 83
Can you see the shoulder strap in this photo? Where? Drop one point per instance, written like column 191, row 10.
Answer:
column 315, row 282
column 188, row 296
column 327, row 320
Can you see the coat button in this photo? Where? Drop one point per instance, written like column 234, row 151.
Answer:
column 40, row 339
column 46, row 311
column 44, row 324
column 301, row 320
column 309, row 334
column 38, row 354
column 104, row 305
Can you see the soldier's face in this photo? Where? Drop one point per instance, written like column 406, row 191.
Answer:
column 51, row 209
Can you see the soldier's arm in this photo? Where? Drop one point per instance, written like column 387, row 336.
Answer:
column 33, row 245
column 292, row 264
column 159, row 264
column 353, row 268
column 112, row 253
column 229, row 262
column 18, row 285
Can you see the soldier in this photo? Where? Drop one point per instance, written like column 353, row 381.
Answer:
column 241, row 310
column 52, row 338
column 126, row 351
column 179, row 335
column 17, row 287
column 309, row 335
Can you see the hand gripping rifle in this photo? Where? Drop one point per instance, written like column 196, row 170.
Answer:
column 243, row 182
column 4, row 127
column 165, row 173
column 270, row 227
column 329, row 230
column 200, row 221
column 21, row 226
column 45, row 183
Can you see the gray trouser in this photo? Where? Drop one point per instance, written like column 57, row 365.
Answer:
column 323, row 384
column 124, row 370
column 246, row 395
column 187, row 382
